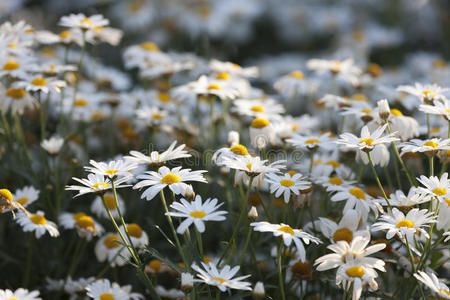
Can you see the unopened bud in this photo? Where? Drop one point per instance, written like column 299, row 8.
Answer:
column 258, row 291
column 189, row 192
column 252, row 214
column 233, row 138
column 187, row 282
column 383, row 109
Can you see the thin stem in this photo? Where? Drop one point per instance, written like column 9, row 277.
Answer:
column 199, row 242
column 378, row 180
column 431, row 161
column 428, row 126
column 211, row 125
column 280, row 271
column 247, row 241
column 411, row 178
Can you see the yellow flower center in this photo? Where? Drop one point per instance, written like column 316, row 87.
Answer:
column 396, row 112
column 312, row 141
column 297, row 74
column 64, row 34
column 38, row 219
column 111, row 242
column 428, row 94
column 358, row 193
column 39, row 81
column 5, row 193
column 367, row 141
column 110, row 202
column 343, row 234
column 99, row 185
column 198, row 214
column 359, row 97
column 223, row 76
column 249, row 166
column 286, row 229
column 259, row 123
column 111, row 171
column 257, row 108
column 447, row 200
column 85, row 222
column 164, row 97
column 11, row 65
column 157, row 116
column 447, row 292
column 78, row 216
column 440, row 191
column 355, row 272
column 170, row 178
column 12, row 45
column 301, row 268
column 135, row 6
column 239, row 150
column 86, row 21
column 431, row 144
column 134, row 230
column 80, row 103
column 439, row 63
column 336, row 181
column 106, row 297
column 333, row 163
column 213, row 87
column 22, row 200
column 155, row 264
column 149, row 46
column 221, row 280
column 287, row 182
column 15, row 93
column 12, row 298
column 405, row 223
column 292, row 172
column 366, row 111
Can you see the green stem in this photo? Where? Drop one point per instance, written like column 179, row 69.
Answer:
column 247, row 241
column 280, row 271
column 431, row 161
column 212, row 126
column 199, row 241
column 411, row 178
column 378, row 180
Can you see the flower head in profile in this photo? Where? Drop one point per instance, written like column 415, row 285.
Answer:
column 196, row 212
column 345, row 230
column 367, row 141
column 53, row 145
column 440, row 289
column 156, row 159
column 96, row 184
column 37, row 223
column 103, row 289
column 312, row 142
column 428, row 146
column 113, row 169
column 85, row 225
column 221, row 278
column 19, row 294
column 83, row 22
column 426, row 93
column 440, row 108
column 175, row 179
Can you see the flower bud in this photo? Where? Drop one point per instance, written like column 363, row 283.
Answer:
column 187, row 282
column 252, row 214
column 258, row 291
column 189, row 192
column 383, row 109
column 233, row 138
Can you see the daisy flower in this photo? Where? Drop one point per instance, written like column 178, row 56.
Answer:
column 288, row 234
column 429, row 146
column 26, row 195
column 292, row 84
column 16, row 100
column 41, row 84
column 345, row 230
column 113, row 169
column 169, row 293
column 367, row 141
column 109, row 248
column 152, row 116
column 82, row 22
column 234, row 151
column 443, row 219
column 266, row 108
column 440, row 108
column 103, row 289
column 206, row 87
column 333, row 183
column 173, row 178
column 37, row 223
column 345, row 69
column 435, row 186
column 286, row 184
column 358, row 275
column 156, row 159
column 356, row 199
column 53, row 145
column 95, row 183
column 426, row 93
column 312, row 142
column 196, row 212
column 221, row 278
column 99, row 210
column 440, row 289
column 399, row 199
column 19, row 294
column 84, row 224
column 232, row 68
column 396, row 223
column 138, row 237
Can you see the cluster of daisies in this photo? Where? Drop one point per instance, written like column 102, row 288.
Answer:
column 332, row 178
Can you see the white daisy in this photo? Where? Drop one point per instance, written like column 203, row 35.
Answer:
column 261, row 133
column 435, row 186
column 204, row 86
column 98, row 208
column 368, row 140
column 221, row 278
column 37, row 223
column 232, row 68
column 231, row 152
column 113, row 169
column 173, row 178
column 440, row 289
column 53, row 145
column 196, row 212
column 84, row 224
column 426, row 93
column 109, row 248
column 157, row 159
column 288, row 234
column 355, row 275
column 264, row 108
column 292, row 84
column 345, row 230
column 19, row 294
column 429, row 146
column 138, row 236
column 26, row 195
column 286, row 184
column 16, row 100
column 95, row 183
column 82, row 22
column 41, row 84
column 440, row 108
column 356, row 199
column 103, row 289
column 312, row 142
column 345, row 69
column 399, row 199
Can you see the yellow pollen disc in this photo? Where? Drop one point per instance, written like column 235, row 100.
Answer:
column 405, row 223
column 221, row 280
column 5, row 193
column 440, row 191
column 157, row 116
column 428, row 94
column 99, row 185
column 343, row 234
column 170, row 178
column 359, row 97
column 367, row 141
column 110, row 202
column 15, row 93
column 198, row 214
column 80, row 103
column 333, row 163
column 396, row 112
column 447, row 292
column 64, row 34
column 292, row 172
column 111, row 241
column 134, row 230
column 297, row 74
column 355, row 272
column 97, row 115
column 106, row 297
column 439, row 63
column 11, row 65
column 86, row 222
column 294, row 127
column 149, row 46
column 431, row 144
column 374, row 69
column 286, row 229
column 87, row 21
column 22, row 200
column 435, row 130
column 213, row 87
column 239, row 150
column 335, row 181
column 38, row 219
column 358, row 193
column 249, row 166
column 223, row 76
column 78, row 216
column 259, row 123
column 12, row 46
column 39, row 81
column 312, row 141
column 207, row 259
column 287, row 182
column 164, row 97
column 447, row 200
column 257, row 108
column 111, row 171
column 155, row 264
column 366, row 110
column 12, row 298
